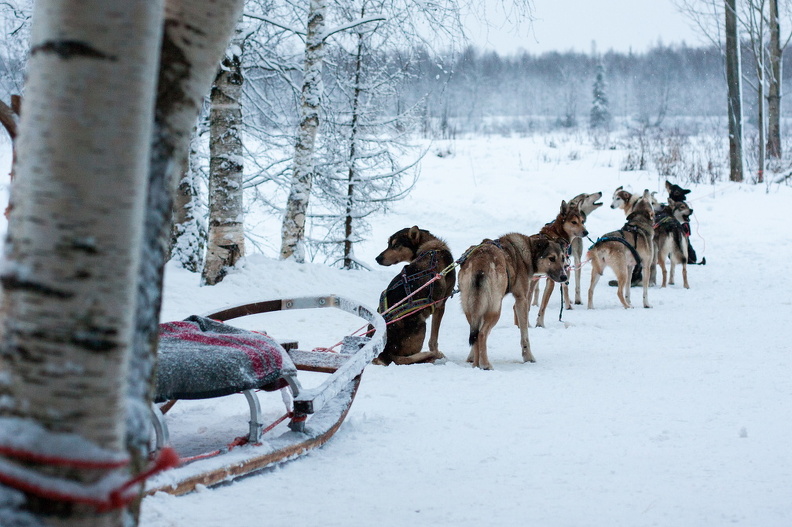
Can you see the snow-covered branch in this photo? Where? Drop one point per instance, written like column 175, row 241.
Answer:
column 276, row 24
column 355, row 23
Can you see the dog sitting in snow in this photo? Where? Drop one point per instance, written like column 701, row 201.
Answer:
column 427, row 256
column 678, row 194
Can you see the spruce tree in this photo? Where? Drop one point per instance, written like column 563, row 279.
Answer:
column 600, row 114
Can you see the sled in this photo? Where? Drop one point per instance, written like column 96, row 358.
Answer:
column 316, row 414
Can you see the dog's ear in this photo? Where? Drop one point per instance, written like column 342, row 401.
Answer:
column 671, row 202
column 539, row 249
column 668, row 186
column 621, row 187
column 415, row 234
column 564, row 207
column 647, row 195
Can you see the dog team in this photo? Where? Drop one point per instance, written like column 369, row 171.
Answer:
column 653, row 233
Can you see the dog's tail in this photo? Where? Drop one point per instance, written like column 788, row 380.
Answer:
column 477, row 283
column 473, row 337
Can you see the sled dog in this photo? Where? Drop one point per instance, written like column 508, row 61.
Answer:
column 623, row 250
column 671, row 240
column 568, row 225
column 675, row 192
column 495, row 268
column 625, row 200
column 586, row 203
column 426, row 255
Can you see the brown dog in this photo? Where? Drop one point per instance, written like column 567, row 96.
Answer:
column 427, row 256
column 623, row 250
column 568, row 225
column 495, row 268
column 586, row 203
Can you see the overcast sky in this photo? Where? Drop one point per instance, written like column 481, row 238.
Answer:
column 561, row 25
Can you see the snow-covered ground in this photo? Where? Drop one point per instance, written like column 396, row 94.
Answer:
column 677, row 415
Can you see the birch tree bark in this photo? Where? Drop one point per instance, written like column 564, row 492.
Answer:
column 226, row 237
column 734, row 83
column 73, row 247
column 196, row 32
column 775, row 79
column 293, row 230
column 352, row 175
column 188, row 238
column 9, row 118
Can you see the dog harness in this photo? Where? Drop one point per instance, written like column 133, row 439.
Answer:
column 668, row 223
column 407, row 284
column 467, row 253
column 621, row 240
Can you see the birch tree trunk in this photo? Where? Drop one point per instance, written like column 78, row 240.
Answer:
column 734, row 83
column 761, row 115
column 226, row 238
column 293, row 230
column 188, row 238
column 9, row 118
column 73, row 247
column 352, row 175
column 196, row 32
column 775, row 79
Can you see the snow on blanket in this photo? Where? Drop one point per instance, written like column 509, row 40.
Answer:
column 201, row 358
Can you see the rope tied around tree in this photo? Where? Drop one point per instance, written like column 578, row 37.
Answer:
column 26, row 442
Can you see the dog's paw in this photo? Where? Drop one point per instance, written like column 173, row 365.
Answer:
column 647, row 305
column 439, row 358
column 379, row 362
column 527, row 356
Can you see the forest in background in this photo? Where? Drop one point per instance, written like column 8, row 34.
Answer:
column 486, row 92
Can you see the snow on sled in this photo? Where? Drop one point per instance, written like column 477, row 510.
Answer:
column 202, row 358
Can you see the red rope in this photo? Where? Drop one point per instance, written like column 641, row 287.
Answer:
column 57, row 491
column 239, row 441
column 45, row 459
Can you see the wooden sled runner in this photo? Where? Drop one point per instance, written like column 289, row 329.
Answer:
column 202, row 358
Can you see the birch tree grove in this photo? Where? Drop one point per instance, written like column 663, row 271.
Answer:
column 226, row 236
column 293, row 231
column 73, row 246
